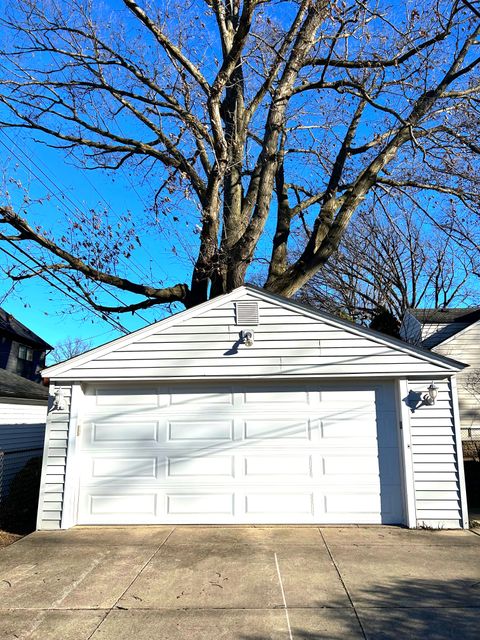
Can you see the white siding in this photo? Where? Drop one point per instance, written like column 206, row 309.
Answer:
column 288, row 343
column 466, row 348
column 54, row 463
column 22, row 431
column 435, row 461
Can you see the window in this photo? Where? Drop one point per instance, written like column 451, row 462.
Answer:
column 25, row 353
column 25, row 361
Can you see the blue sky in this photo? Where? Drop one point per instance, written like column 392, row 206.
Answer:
column 66, row 191
column 64, row 187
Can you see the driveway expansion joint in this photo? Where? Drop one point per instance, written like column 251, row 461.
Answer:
column 115, row 606
column 337, row 569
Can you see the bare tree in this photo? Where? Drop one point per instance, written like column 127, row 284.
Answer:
column 255, row 118
column 391, row 262
column 69, row 348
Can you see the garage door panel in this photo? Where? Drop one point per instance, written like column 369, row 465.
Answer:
column 242, row 454
column 130, row 505
column 123, row 432
column 355, row 427
column 359, row 398
column 200, row 467
column 269, row 396
column 132, row 468
column 298, row 503
column 190, row 398
column 282, row 466
column 134, row 396
column 195, row 430
column 347, row 503
column 277, row 429
column 200, row 503
column 341, row 465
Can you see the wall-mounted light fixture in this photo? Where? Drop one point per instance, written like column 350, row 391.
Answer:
column 431, row 395
column 58, row 400
column 247, row 337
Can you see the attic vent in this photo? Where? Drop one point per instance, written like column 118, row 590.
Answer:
column 246, row 312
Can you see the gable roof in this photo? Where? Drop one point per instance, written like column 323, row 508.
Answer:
column 83, row 366
column 13, row 327
column 466, row 315
column 13, row 386
column 447, row 323
column 462, row 329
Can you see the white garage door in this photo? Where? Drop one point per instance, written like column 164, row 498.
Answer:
column 240, row 454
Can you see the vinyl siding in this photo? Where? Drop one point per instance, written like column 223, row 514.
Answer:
column 288, row 343
column 433, row 334
column 466, row 348
column 54, row 464
column 435, row 462
column 411, row 329
column 22, row 432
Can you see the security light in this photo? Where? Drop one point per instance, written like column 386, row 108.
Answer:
column 247, row 337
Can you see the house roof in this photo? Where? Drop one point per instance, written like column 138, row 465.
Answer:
column 13, row 386
column 72, row 369
column 12, row 327
column 466, row 315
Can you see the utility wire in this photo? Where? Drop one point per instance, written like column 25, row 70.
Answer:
column 73, row 212
column 112, row 322
column 64, row 195
column 62, row 72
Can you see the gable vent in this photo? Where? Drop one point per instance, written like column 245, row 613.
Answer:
column 246, row 312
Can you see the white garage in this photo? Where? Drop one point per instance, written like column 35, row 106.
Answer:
column 253, row 409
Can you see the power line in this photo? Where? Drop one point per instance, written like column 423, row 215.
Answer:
column 64, row 195
column 69, row 208
column 112, row 322
column 62, row 72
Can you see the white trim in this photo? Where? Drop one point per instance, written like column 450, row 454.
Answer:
column 456, row 335
column 445, row 364
column 419, row 375
column 72, row 471
column 43, row 475
column 406, row 449
column 459, row 452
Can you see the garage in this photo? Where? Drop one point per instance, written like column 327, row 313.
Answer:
column 253, row 409
column 240, row 454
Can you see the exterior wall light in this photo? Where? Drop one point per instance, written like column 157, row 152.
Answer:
column 58, row 400
column 431, row 395
column 247, row 337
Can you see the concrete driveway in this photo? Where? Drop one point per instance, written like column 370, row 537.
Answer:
column 242, row 583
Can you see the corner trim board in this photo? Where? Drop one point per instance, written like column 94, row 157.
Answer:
column 72, row 471
column 406, row 449
column 459, row 453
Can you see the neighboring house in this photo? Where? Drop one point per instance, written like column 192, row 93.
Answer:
column 248, row 409
column 21, row 351
column 454, row 333
column 23, row 412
